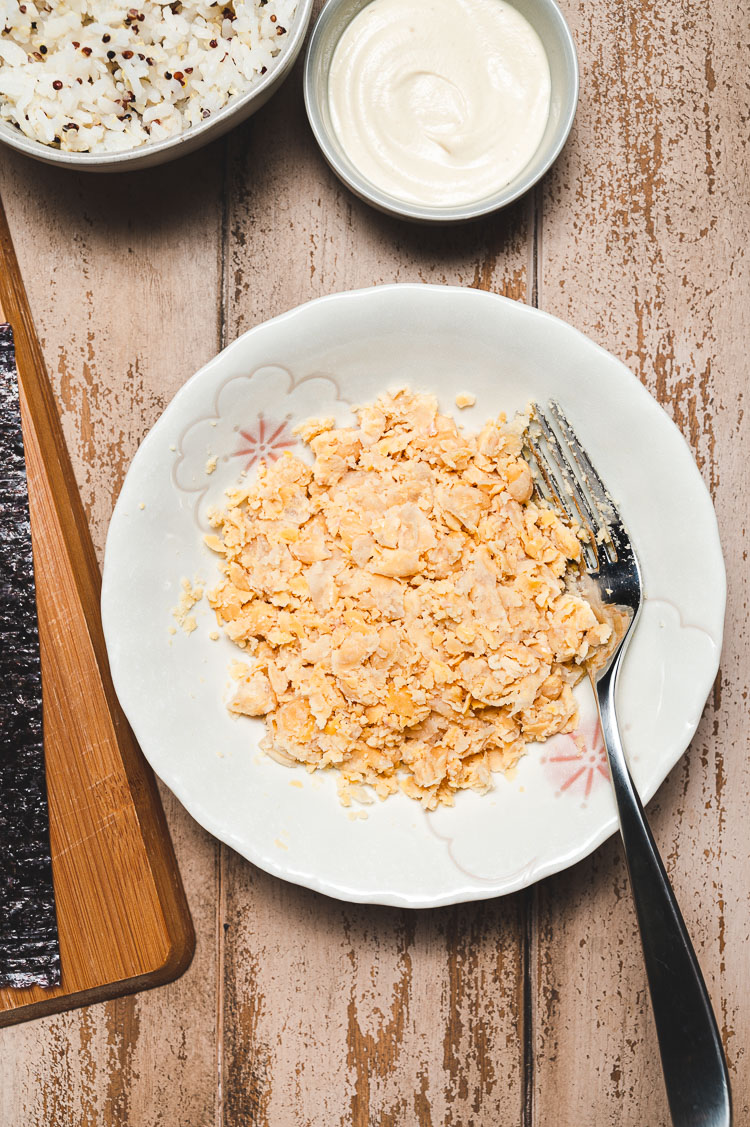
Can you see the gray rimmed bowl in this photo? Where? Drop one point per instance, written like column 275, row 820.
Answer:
column 238, row 108
column 548, row 22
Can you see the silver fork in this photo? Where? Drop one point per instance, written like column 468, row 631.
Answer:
column 693, row 1062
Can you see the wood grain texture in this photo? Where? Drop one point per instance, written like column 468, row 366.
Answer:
column 100, row 267
column 122, row 916
column 302, row 1011
column 644, row 239
column 411, row 1020
column 340, row 1014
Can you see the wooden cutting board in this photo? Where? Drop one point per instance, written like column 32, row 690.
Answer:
column 123, row 918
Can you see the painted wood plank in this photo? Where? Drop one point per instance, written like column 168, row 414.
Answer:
column 360, row 1015
column 126, row 308
column 113, row 865
column 336, row 1014
column 645, row 225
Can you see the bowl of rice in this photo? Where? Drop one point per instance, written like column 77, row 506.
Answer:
column 103, row 85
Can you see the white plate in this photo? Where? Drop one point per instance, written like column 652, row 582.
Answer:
column 319, row 359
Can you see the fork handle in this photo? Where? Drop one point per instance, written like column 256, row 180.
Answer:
column 693, row 1061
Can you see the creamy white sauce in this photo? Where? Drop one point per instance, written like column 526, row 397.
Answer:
column 439, row 102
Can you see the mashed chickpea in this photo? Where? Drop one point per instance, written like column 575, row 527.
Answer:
column 404, row 603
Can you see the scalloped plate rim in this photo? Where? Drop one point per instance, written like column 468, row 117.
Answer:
column 460, row 892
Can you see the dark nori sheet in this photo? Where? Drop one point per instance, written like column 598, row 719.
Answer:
column 29, row 949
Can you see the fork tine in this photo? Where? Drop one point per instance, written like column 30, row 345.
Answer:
column 547, row 487
column 545, row 481
column 592, row 480
column 541, row 485
column 546, row 474
column 592, row 483
column 572, row 498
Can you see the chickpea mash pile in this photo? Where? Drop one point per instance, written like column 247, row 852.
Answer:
column 403, row 604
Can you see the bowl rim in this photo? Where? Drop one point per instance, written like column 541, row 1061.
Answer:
column 403, row 209
column 91, row 162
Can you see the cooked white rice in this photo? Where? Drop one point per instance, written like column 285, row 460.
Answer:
column 108, row 75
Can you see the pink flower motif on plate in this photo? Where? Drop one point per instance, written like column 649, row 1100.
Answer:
column 577, row 763
column 265, row 441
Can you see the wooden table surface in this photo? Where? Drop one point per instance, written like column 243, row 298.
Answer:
column 531, row 1010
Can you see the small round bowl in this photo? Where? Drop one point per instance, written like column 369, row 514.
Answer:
column 237, row 109
column 548, row 22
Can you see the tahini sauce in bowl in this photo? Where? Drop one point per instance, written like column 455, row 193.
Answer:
column 439, row 102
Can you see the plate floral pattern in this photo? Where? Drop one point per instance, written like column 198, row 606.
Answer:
column 252, row 419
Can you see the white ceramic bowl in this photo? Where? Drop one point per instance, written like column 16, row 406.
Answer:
column 548, row 22
column 237, row 109
column 317, row 360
